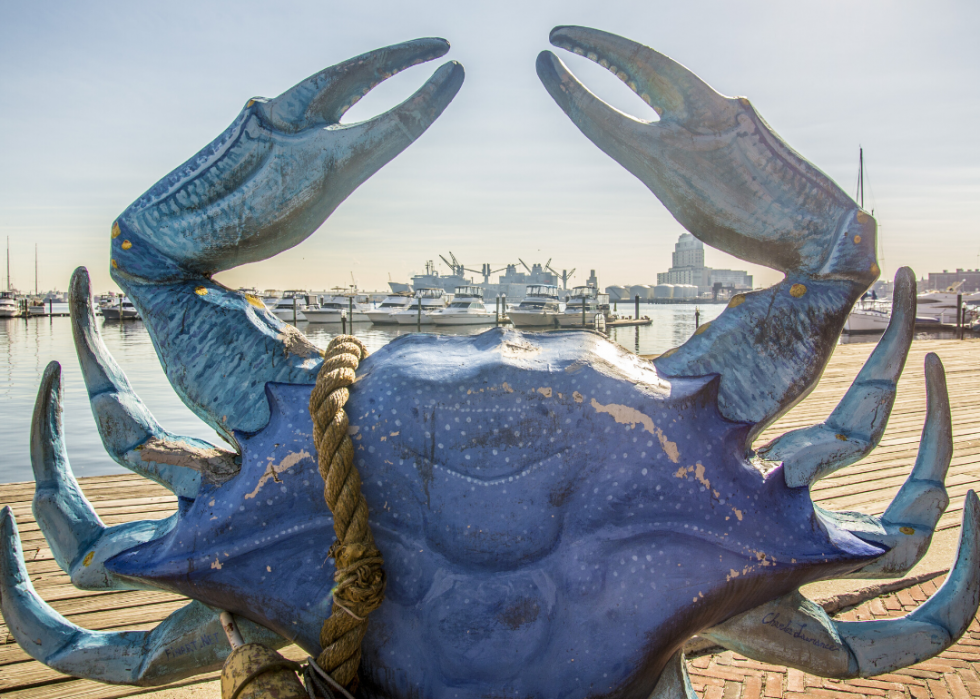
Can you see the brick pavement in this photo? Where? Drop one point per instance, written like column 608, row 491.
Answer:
column 954, row 674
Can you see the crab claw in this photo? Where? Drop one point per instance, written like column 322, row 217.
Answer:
column 127, row 657
column 794, row 631
column 278, row 171
column 716, row 165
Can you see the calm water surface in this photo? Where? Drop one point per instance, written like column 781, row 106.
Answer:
column 26, row 347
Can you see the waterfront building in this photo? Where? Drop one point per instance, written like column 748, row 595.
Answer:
column 687, row 268
column 940, row 281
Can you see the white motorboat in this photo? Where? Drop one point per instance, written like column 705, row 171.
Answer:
column 466, row 309
column 429, row 299
column 584, row 301
column 939, row 307
column 37, row 309
column 121, row 309
column 396, row 302
column 334, row 308
column 870, row 319
column 540, row 307
column 291, row 306
column 8, row 305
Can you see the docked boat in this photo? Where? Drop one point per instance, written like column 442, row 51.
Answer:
column 37, row 309
column 395, row 302
column 121, row 309
column 332, row 309
column 429, row 299
column 587, row 302
column 540, row 307
column 8, row 305
column 466, row 308
column 291, row 306
column 939, row 307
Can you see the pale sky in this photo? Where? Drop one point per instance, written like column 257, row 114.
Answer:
column 102, row 99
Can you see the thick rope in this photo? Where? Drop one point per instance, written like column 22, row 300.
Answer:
column 360, row 580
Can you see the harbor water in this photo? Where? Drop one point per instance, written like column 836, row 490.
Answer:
column 27, row 345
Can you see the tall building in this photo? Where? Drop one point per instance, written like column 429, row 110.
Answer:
column 688, row 268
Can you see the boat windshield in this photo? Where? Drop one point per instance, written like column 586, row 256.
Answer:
column 584, row 292
column 466, row 304
column 429, row 293
column 475, row 292
column 544, row 291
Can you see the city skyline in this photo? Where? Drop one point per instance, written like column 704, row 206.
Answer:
column 104, row 100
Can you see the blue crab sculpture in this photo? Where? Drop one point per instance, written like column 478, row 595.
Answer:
column 557, row 516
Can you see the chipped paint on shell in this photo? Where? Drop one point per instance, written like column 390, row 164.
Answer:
column 273, row 470
column 625, row 415
column 545, row 391
column 578, row 397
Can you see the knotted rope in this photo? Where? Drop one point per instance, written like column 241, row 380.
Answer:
column 360, row 580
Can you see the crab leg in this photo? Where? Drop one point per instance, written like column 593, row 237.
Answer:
column 188, row 642
column 796, row 632
column 735, row 184
column 79, row 541
column 674, row 682
column 129, row 432
column 261, row 187
column 855, row 426
column 907, row 526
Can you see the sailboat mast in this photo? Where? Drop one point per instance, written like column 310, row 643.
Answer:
column 861, row 176
column 8, row 264
column 35, row 269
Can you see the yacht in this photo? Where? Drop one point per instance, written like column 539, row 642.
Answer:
column 121, row 309
column 429, row 299
column 868, row 319
column 466, row 309
column 37, row 309
column 540, row 307
column 333, row 308
column 8, row 305
column 585, row 298
column 395, row 302
column 939, row 307
column 291, row 306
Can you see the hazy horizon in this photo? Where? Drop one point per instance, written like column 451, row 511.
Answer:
column 102, row 100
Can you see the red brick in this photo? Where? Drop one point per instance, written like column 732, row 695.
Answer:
column 774, row 685
column 878, row 609
column 891, row 603
column 900, row 679
column 722, row 673
column 956, row 686
column 916, row 593
column 752, row 689
column 906, row 599
column 878, row 683
column 703, row 661
column 938, row 690
column 714, row 693
column 794, row 681
column 733, row 690
column 919, row 692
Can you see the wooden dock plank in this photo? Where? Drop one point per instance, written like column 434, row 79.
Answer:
column 867, row 486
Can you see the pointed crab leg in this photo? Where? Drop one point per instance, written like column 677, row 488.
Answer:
column 735, row 184
column 796, row 632
column 855, row 426
column 263, row 186
column 674, row 682
column 907, row 526
column 188, row 642
column 129, row 432
column 79, row 541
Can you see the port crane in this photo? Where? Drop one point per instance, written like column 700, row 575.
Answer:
column 564, row 276
column 459, row 270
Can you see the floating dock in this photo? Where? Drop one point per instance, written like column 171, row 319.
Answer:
column 867, row 486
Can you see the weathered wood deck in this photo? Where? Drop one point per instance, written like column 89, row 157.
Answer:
column 867, row 486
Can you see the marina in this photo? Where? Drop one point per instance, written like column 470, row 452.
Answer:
column 868, row 486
